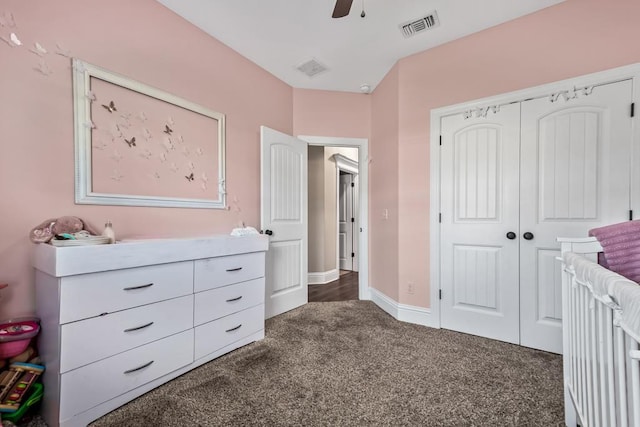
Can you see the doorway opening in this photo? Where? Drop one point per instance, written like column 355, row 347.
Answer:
column 337, row 218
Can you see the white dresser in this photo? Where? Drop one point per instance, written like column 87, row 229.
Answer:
column 119, row 320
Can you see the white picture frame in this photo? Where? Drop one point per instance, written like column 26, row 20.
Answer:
column 83, row 73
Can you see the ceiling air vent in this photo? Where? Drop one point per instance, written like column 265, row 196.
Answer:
column 411, row 28
column 312, row 68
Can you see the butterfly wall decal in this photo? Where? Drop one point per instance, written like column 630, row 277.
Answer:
column 7, row 20
column 91, row 96
column 13, row 40
column 116, row 132
column 116, row 156
column 167, row 130
column 168, row 144
column 146, row 133
column 99, row 145
column 190, row 177
column 43, row 68
column 38, row 49
column 131, row 142
column 116, row 176
column 111, row 107
column 124, row 122
column 174, row 167
column 146, row 154
column 62, row 50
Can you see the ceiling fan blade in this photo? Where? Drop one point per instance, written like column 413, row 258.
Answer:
column 342, row 8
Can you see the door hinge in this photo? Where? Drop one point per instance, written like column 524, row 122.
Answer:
column 353, row 254
column 440, row 217
column 633, row 109
column 630, row 215
column 440, row 139
column 353, row 220
column 440, row 294
column 353, row 184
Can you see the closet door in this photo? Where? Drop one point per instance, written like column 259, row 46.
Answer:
column 575, row 174
column 479, row 204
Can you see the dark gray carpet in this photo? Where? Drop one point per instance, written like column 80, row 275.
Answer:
column 349, row 363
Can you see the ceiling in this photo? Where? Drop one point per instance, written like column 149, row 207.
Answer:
column 280, row 35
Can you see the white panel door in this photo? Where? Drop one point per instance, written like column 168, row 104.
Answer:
column 479, row 207
column 345, row 223
column 575, row 176
column 284, row 217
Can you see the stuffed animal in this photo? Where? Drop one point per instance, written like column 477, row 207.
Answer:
column 65, row 224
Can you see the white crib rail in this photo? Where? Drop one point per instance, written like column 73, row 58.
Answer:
column 600, row 345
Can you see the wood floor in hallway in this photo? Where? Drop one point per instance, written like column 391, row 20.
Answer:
column 343, row 289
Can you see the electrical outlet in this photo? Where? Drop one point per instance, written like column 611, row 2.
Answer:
column 411, row 288
column 385, row 214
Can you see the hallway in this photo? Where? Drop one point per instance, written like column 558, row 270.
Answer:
column 343, row 289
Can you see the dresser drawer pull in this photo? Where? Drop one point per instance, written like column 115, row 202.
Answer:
column 234, row 329
column 235, row 299
column 137, row 328
column 229, row 270
column 133, row 288
column 138, row 368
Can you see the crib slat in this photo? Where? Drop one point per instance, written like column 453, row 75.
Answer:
column 591, row 360
column 621, row 376
column 635, row 381
column 610, row 371
column 600, row 308
column 583, row 351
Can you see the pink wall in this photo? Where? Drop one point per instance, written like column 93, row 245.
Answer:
column 571, row 39
column 326, row 113
column 147, row 42
column 383, row 187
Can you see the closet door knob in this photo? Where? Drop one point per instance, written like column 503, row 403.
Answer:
column 528, row 236
column 511, row 235
column 268, row 232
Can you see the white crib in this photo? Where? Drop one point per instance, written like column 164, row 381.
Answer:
column 601, row 331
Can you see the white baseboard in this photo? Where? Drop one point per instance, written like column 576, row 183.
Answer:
column 402, row 312
column 323, row 277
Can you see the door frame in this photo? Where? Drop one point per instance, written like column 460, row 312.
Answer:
column 351, row 167
column 362, row 144
column 483, row 106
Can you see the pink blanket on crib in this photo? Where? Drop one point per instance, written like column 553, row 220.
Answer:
column 621, row 248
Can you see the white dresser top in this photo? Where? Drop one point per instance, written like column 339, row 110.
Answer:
column 68, row 261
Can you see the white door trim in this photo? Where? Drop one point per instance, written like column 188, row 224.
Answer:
column 479, row 106
column 350, row 166
column 363, row 201
column 345, row 164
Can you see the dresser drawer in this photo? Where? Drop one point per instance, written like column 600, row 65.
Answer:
column 220, row 271
column 220, row 333
column 220, row 302
column 93, row 384
column 90, row 295
column 93, row 339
